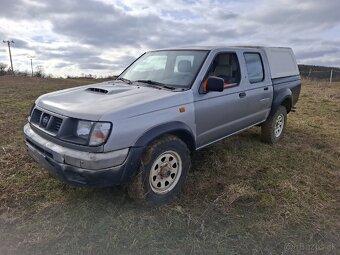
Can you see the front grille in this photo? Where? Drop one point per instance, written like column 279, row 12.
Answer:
column 35, row 117
column 45, row 121
column 56, row 124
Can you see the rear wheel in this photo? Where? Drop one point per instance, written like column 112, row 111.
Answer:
column 162, row 173
column 273, row 128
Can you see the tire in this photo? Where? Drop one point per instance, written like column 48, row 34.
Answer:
column 273, row 128
column 162, row 173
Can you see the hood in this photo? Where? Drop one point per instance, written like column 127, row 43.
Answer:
column 119, row 100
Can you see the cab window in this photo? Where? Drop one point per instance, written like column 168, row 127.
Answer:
column 189, row 60
column 177, row 68
column 254, row 67
column 226, row 66
column 152, row 63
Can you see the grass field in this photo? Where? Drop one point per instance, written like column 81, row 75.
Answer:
column 241, row 197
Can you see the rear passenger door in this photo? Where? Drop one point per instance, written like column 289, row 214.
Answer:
column 258, row 87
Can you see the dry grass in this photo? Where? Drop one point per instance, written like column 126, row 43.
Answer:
column 242, row 196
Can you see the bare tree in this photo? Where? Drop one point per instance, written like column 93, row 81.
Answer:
column 3, row 69
column 39, row 72
column 21, row 73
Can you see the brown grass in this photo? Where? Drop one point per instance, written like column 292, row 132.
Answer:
column 242, row 196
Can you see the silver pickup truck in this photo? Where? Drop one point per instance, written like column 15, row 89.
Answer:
column 140, row 129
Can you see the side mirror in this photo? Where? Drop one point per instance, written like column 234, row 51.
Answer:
column 214, row 84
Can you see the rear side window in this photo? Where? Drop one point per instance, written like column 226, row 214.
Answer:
column 254, row 67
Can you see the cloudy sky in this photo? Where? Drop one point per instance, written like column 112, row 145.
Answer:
column 102, row 36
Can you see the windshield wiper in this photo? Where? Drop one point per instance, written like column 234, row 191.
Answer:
column 124, row 80
column 156, row 84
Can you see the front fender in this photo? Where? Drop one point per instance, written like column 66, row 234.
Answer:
column 175, row 127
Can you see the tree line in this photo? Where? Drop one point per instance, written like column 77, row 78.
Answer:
column 6, row 70
column 319, row 72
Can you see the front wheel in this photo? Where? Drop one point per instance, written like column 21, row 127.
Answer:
column 273, row 128
column 162, row 173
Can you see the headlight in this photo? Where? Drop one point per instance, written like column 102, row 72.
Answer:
column 30, row 112
column 100, row 133
column 84, row 129
column 95, row 133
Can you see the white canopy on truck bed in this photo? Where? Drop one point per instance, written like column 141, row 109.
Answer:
column 282, row 62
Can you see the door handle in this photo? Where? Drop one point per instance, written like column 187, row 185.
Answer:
column 265, row 88
column 242, row 94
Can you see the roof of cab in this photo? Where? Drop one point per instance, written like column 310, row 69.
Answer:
column 217, row 47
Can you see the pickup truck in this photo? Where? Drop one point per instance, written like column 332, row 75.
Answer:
column 140, row 129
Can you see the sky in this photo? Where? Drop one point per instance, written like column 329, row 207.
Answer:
column 101, row 37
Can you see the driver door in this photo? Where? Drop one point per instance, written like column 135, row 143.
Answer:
column 219, row 114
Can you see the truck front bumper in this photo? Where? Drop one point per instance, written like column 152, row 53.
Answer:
column 82, row 168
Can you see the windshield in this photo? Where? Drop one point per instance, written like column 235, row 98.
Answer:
column 177, row 68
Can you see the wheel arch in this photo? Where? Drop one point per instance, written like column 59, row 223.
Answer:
column 179, row 129
column 282, row 98
column 287, row 102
